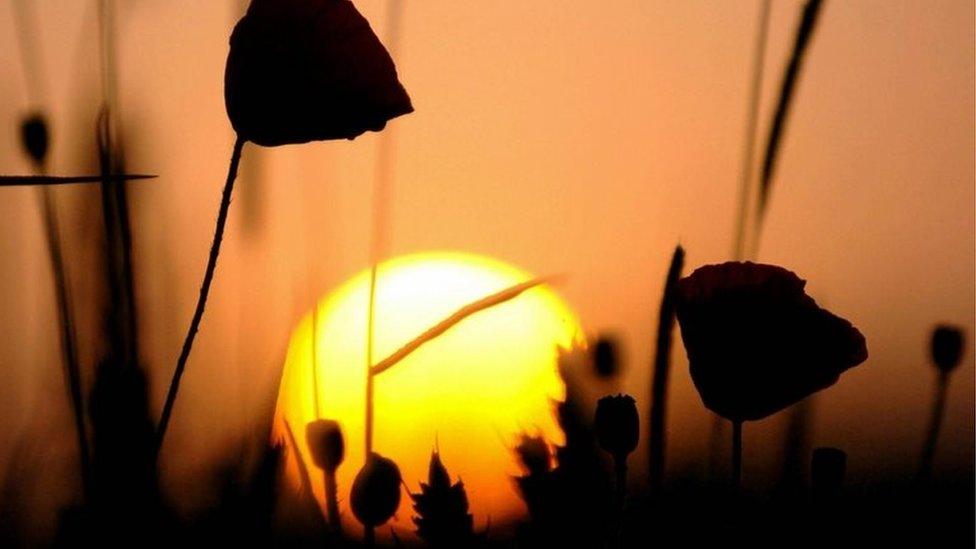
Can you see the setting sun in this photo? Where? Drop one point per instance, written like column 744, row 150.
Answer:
column 470, row 391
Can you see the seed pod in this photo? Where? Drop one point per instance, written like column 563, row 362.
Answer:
column 376, row 491
column 617, row 425
column 605, row 359
column 947, row 344
column 325, row 442
column 34, row 137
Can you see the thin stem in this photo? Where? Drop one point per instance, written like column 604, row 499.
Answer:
column 620, row 469
column 332, row 502
column 736, row 455
column 68, row 346
column 369, row 536
column 369, row 360
column 174, row 386
column 752, row 117
column 935, row 425
column 315, row 359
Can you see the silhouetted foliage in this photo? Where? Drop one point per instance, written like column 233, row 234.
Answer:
column 442, row 509
column 756, row 342
column 571, row 504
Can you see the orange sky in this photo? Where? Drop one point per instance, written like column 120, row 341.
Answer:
column 584, row 138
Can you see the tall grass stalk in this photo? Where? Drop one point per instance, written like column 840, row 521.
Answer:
column 804, row 33
column 382, row 183
column 662, row 369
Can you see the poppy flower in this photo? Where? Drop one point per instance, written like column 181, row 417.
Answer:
column 309, row 70
column 757, row 342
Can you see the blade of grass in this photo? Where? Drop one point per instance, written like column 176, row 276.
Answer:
column 804, row 33
column 662, row 368
column 37, row 180
column 69, row 351
column 464, row 312
column 752, row 118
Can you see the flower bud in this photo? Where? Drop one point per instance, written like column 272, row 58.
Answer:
column 325, row 442
column 34, row 137
column 617, row 425
column 947, row 344
column 376, row 491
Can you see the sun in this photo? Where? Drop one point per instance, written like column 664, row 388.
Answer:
column 470, row 391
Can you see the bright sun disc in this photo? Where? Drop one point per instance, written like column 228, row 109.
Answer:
column 471, row 391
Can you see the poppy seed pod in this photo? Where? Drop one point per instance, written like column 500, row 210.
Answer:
column 376, row 491
column 325, row 442
column 34, row 137
column 617, row 425
column 947, row 344
column 757, row 342
column 605, row 358
column 308, row 70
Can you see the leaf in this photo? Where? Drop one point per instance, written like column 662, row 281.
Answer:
column 442, row 509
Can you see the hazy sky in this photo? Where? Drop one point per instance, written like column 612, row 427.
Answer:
column 585, row 138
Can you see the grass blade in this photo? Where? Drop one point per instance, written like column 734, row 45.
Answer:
column 34, row 180
column 804, row 33
column 662, row 368
column 462, row 313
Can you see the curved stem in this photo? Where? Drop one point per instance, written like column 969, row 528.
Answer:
column 174, row 385
column 736, row 455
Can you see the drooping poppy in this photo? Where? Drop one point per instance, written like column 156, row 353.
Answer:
column 309, row 70
column 297, row 71
column 757, row 342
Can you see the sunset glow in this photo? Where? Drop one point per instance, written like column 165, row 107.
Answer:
column 471, row 391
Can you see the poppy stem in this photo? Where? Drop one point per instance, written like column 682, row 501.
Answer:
column 332, row 502
column 736, row 455
column 235, row 160
column 620, row 468
column 369, row 537
column 935, row 425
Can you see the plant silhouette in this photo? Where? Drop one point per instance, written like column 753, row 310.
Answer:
column 442, row 519
column 297, row 71
column 757, row 343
